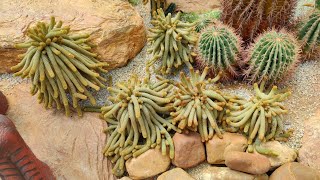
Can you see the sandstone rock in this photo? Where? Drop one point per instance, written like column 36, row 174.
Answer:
column 195, row 5
column 285, row 154
column 309, row 153
column 148, row 164
column 125, row 178
column 114, row 25
column 189, row 150
column 247, row 162
column 225, row 173
column 3, row 103
column 71, row 147
column 295, row 171
column 216, row 147
column 176, row 174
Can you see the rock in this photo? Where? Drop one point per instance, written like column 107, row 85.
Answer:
column 295, row 171
column 195, row 5
column 114, row 25
column 176, row 174
column 309, row 153
column 225, row 173
column 3, row 103
column 216, row 147
column 285, row 154
column 71, row 146
column 148, row 164
column 125, row 178
column 189, row 150
column 247, row 162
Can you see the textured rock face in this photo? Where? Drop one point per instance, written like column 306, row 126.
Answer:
column 247, row 162
column 148, row 164
column 71, row 147
column 114, row 25
column 216, row 147
column 195, row 5
column 176, row 174
column 189, row 150
column 3, row 103
column 309, row 153
column 295, row 171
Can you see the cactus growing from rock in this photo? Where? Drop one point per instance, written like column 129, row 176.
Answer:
column 218, row 47
column 170, row 39
column 251, row 17
column 60, row 64
column 273, row 55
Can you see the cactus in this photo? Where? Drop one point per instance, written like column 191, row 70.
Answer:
column 261, row 118
column 170, row 39
column 202, row 20
column 317, row 5
column 219, row 47
column 197, row 104
column 309, row 33
column 135, row 120
column 273, row 55
column 59, row 64
column 251, row 17
column 156, row 4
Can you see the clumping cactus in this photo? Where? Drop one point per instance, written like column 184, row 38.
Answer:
column 155, row 5
column 170, row 39
column 202, row 20
column 273, row 55
column 251, row 17
column 219, row 47
column 60, row 64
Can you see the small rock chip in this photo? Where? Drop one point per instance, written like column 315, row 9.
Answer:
column 295, row 171
column 3, row 104
column 189, row 150
column 176, row 174
column 247, row 162
column 285, row 154
column 148, row 164
column 216, row 147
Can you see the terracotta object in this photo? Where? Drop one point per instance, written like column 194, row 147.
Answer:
column 16, row 159
column 3, row 103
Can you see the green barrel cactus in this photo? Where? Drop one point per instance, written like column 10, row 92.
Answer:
column 219, row 47
column 59, row 65
column 273, row 55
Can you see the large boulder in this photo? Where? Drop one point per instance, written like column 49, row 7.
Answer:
column 295, row 171
column 71, row 146
column 3, row 103
column 114, row 25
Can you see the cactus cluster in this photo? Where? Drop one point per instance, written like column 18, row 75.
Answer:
column 202, row 20
column 218, row 47
column 260, row 118
column 170, row 39
column 273, row 55
column 59, row 65
column 135, row 120
column 155, row 5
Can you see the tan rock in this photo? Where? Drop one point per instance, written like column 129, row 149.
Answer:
column 216, row 147
column 247, row 162
column 148, row 164
column 225, row 173
column 176, row 174
column 125, row 178
column 114, row 25
column 285, row 154
column 195, row 5
column 309, row 153
column 189, row 150
column 71, row 146
column 295, row 171
column 3, row 104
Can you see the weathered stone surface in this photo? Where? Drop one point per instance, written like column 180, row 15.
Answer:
column 148, row 164
column 216, row 147
column 225, row 173
column 3, row 103
column 71, row 147
column 114, row 25
column 285, row 154
column 189, row 150
column 176, row 174
column 125, row 178
column 309, row 153
column 195, row 5
column 295, row 171
column 247, row 162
